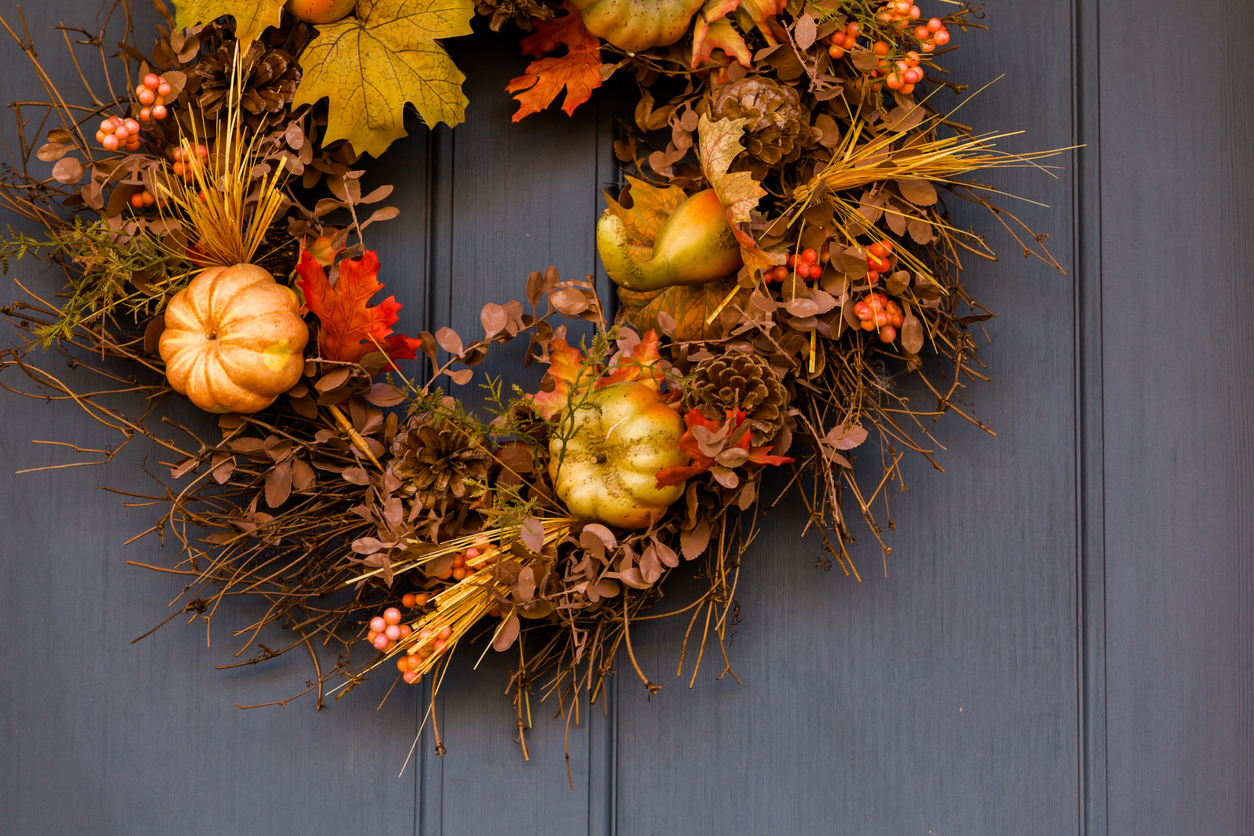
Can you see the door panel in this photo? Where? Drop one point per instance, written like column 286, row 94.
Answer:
column 1060, row 641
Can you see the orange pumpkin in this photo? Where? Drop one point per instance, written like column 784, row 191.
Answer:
column 635, row 25
column 233, row 339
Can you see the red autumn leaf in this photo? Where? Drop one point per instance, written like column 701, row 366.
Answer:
column 579, row 70
column 566, row 367
column 351, row 328
column 640, row 363
column 700, row 461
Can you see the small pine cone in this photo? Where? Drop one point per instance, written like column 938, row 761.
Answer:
column 738, row 380
column 435, row 462
column 522, row 11
column 278, row 253
column 270, row 78
column 778, row 123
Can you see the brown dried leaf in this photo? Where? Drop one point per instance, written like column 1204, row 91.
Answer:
column 507, row 633
column 68, row 170
column 278, row 484
column 918, row 192
column 911, row 333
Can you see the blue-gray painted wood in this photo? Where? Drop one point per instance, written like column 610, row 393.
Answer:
column 1177, row 209
column 1062, row 642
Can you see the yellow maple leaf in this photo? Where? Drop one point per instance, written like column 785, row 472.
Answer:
column 369, row 66
column 251, row 16
column 719, row 146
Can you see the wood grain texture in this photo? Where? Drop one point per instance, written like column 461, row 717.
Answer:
column 941, row 698
column 1177, row 214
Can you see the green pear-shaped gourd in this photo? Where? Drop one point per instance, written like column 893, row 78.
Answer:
column 695, row 245
column 635, row 25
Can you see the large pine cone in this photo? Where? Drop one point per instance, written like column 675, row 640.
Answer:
column 737, row 380
column 778, row 123
column 522, row 11
column 437, row 463
column 270, row 78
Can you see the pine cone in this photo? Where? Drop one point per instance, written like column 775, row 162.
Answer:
column 738, row 380
column 778, row 124
column 435, row 463
column 270, row 78
column 522, row 11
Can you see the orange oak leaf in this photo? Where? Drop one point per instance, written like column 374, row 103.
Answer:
column 569, row 374
column 719, row 146
column 688, row 306
column 351, row 328
column 650, row 207
column 578, row 71
column 701, row 462
column 642, row 363
column 718, row 34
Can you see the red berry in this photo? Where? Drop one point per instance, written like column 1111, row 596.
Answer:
column 146, row 96
column 887, row 334
column 809, row 256
column 872, row 277
column 934, row 25
column 137, row 200
column 159, row 112
column 152, row 80
column 862, row 310
column 877, row 249
column 922, row 33
column 164, row 88
column 836, row 52
column 110, row 142
column 408, row 600
column 877, row 263
column 941, row 38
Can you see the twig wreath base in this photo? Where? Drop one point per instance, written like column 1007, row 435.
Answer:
column 782, row 253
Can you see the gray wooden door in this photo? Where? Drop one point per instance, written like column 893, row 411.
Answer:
column 1064, row 639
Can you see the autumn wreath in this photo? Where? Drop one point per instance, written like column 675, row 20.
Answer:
column 782, row 254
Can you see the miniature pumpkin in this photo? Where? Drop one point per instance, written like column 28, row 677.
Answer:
column 607, row 453
column 694, row 246
column 233, row 339
column 635, row 25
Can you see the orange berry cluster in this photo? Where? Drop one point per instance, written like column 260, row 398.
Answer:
column 143, row 200
column 183, row 163
column 903, row 73
column 877, row 311
column 151, row 93
column 462, row 567
column 431, row 640
column 877, row 262
column 116, row 132
column 806, row 265
column 386, row 630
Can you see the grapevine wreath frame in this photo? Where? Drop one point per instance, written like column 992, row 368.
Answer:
column 782, row 250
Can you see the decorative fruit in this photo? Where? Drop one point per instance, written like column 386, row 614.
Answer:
column 320, row 11
column 606, row 456
column 695, row 245
column 233, row 339
column 634, row 25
